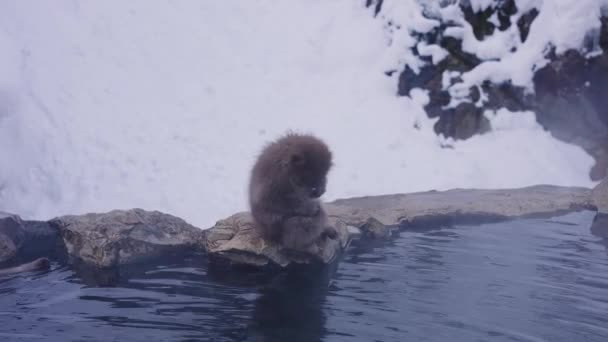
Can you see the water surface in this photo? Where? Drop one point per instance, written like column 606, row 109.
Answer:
column 524, row 280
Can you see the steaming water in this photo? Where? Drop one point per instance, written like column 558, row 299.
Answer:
column 524, row 280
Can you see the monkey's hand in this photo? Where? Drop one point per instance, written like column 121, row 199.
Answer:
column 330, row 232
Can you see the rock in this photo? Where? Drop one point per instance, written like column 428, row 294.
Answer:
column 25, row 239
column 569, row 91
column 373, row 229
column 123, row 237
column 235, row 240
column 39, row 264
column 11, row 236
column 427, row 209
column 599, row 195
column 466, row 118
column 354, row 232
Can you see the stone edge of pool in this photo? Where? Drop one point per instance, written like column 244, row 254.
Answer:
column 123, row 237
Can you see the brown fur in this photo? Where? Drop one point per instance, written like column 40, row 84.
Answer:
column 286, row 182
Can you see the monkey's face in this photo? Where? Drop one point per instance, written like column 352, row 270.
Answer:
column 316, row 188
column 310, row 185
column 309, row 162
column 310, row 179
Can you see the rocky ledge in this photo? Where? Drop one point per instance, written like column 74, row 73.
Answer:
column 122, row 237
column 461, row 206
column 235, row 240
column 125, row 236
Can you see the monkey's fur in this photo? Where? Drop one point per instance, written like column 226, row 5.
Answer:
column 286, row 182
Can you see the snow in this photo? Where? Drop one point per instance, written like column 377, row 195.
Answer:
column 480, row 5
column 561, row 24
column 165, row 104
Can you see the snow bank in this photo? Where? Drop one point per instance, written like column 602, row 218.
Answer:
column 164, row 105
column 561, row 25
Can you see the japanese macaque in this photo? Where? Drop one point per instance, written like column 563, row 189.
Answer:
column 286, row 182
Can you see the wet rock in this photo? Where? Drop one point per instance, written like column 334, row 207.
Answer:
column 11, row 236
column 599, row 196
column 371, row 218
column 39, row 264
column 373, row 229
column 235, row 240
column 429, row 209
column 123, row 237
column 600, row 199
column 25, row 240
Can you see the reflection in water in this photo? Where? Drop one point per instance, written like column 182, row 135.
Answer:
column 525, row 280
column 599, row 227
column 290, row 308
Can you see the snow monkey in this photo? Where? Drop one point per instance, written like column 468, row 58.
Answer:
column 286, row 182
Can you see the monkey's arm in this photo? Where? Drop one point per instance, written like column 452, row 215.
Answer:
column 301, row 233
column 308, row 208
column 297, row 205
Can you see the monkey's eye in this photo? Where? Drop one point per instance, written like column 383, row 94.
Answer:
column 297, row 160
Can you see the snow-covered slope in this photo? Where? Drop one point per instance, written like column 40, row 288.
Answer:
column 164, row 105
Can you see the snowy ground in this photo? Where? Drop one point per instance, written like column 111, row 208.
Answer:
column 164, row 105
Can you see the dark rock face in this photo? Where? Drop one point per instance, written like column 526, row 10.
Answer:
column 39, row 264
column 571, row 102
column 25, row 240
column 125, row 236
column 570, row 92
column 11, row 236
column 466, row 119
column 462, row 121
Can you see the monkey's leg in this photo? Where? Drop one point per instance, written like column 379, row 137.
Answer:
column 301, row 232
column 305, row 207
column 269, row 224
